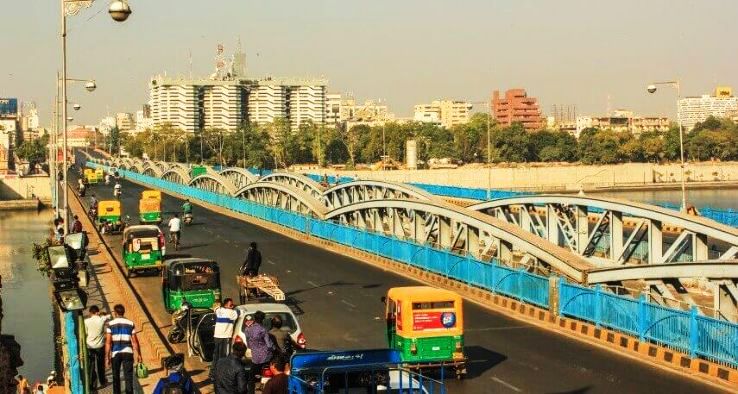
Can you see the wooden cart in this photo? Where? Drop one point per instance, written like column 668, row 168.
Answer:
column 253, row 288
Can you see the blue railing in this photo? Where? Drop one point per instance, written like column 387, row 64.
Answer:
column 683, row 331
column 75, row 373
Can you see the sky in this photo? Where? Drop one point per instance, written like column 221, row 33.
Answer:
column 586, row 53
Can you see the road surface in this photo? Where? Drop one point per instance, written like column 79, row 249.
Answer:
column 338, row 304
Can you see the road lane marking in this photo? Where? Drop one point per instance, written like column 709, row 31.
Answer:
column 506, row 384
column 348, row 303
column 497, row 328
column 271, row 262
column 311, row 283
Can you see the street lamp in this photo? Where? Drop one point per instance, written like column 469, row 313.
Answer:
column 119, row 11
column 675, row 84
column 76, row 107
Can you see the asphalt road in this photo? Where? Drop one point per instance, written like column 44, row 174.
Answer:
column 337, row 300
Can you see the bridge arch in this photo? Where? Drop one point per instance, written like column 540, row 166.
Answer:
column 298, row 181
column 366, row 190
column 451, row 227
column 214, row 183
column 152, row 170
column 177, row 175
column 282, row 196
column 239, row 177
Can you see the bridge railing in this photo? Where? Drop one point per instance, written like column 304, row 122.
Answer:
column 683, row 331
column 687, row 332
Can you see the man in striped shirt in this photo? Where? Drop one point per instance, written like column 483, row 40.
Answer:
column 120, row 344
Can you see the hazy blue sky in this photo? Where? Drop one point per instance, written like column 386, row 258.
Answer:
column 403, row 51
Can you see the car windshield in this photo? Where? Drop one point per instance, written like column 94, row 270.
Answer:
column 288, row 322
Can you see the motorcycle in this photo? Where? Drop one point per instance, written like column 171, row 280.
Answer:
column 92, row 212
column 81, row 189
column 188, row 218
column 181, row 324
column 117, row 193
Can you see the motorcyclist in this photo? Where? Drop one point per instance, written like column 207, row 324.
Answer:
column 187, row 207
column 81, row 187
column 93, row 201
column 117, row 189
column 107, row 179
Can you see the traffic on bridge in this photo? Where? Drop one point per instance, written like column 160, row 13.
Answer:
column 336, row 298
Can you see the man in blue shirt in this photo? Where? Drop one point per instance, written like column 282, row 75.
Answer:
column 120, row 345
column 177, row 380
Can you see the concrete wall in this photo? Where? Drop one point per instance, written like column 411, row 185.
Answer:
column 539, row 177
column 16, row 188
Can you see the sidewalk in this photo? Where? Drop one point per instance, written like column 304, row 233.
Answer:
column 107, row 288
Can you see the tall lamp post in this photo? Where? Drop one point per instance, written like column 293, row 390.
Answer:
column 119, row 11
column 676, row 85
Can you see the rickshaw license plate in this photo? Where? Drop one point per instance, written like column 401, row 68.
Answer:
column 145, row 256
column 436, row 348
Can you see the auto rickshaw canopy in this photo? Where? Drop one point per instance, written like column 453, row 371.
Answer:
column 149, row 194
column 425, row 311
column 107, row 208
column 192, row 274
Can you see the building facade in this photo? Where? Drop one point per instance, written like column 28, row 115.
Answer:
column 720, row 104
column 194, row 105
column 447, row 113
column 333, row 104
column 124, row 121
column 516, row 106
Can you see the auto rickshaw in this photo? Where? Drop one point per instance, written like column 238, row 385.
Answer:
column 149, row 207
column 99, row 174
column 109, row 216
column 90, row 176
column 144, row 247
column 426, row 325
column 194, row 279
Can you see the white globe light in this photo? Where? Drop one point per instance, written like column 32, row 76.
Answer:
column 76, row 107
column 119, row 10
column 90, row 86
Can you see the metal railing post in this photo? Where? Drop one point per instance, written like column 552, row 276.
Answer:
column 693, row 332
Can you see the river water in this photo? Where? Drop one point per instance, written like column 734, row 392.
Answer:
column 25, row 292
column 713, row 198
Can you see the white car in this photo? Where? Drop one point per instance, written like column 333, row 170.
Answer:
column 289, row 322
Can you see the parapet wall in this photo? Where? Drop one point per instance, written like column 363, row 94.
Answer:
column 540, row 177
column 13, row 187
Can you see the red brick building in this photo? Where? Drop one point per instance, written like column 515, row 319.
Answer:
column 516, row 106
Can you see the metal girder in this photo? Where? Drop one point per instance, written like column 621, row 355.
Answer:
column 239, row 177
column 214, row 183
column 364, row 190
column 712, row 269
column 274, row 194
column 298, row 181
column 178, row 175
column 505, row 236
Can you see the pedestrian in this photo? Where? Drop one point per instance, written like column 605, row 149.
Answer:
column 281, row 338
column 76, row 225
column 95, row 328
column 23, row 386
column 59, row 231
column 225, row 319
column 252, row 263
column 279, row 383
column 177, row 380
column 120, row 345
column 175, row 226
column 230, row 372
column 260, row 344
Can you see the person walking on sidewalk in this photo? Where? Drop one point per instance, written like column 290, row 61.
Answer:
column 95, row 328
column 76, row 225
column 230, row 372
column 120, row 345
column 225, row 319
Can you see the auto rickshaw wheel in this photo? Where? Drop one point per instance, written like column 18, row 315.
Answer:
column 460, row 372
column 175, row 336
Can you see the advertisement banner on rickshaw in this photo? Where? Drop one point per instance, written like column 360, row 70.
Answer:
column 434, row 320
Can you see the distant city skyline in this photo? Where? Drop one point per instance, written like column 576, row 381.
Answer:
column 406, row 53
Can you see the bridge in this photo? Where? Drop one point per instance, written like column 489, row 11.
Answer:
column 586, row 239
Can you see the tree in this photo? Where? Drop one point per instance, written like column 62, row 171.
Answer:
column 32, row 151
column 470, row 139
column 350, row 138
column 512, row 144
column 601, row 146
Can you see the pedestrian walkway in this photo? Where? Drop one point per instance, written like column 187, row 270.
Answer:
column 105, row 290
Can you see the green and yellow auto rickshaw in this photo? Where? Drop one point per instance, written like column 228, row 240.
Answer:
column 109, row 218
column 194, row 279
column 426, row 325
column 144, row 248
column 90, row 176
column 149, row 207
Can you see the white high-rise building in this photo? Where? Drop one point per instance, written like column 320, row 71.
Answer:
column 333, row 109
column 222, row 105
column 267, row 102
column 176, row 102
column 693, row 110
column 124, row 121
column 306, row 104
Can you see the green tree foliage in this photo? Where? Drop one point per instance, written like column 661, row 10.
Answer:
column 33, row 151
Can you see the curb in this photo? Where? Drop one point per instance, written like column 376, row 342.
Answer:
column 644, row 352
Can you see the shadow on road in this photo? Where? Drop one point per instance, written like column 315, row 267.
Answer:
column 481, row 360
column 582, row 390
